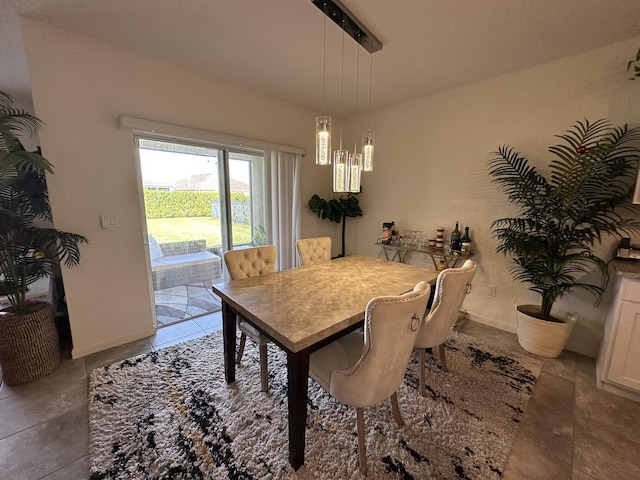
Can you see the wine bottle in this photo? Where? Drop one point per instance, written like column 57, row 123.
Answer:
column 456, row 244
column 466, row 242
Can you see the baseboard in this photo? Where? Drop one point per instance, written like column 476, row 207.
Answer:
column 619, row 390
column 492, row 322
column 85, row 350
column 513, row 328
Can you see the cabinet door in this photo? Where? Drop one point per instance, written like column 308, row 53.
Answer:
column 625, row 360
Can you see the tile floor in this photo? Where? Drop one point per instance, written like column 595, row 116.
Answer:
column 571, row 430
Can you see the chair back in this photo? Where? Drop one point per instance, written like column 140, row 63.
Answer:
column 390, row 328
column 314, row 250
column 452, row 286
column 250, row 262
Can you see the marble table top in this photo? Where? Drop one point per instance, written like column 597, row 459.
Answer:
column 301, row 306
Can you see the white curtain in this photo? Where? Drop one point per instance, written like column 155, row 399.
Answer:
column 283, row 195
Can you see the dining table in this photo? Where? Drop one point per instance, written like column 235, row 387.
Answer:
column 303, row 309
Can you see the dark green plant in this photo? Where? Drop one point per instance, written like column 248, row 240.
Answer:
column 563, row 216
column 336, row 210
column 636, row 66
column 28, row 252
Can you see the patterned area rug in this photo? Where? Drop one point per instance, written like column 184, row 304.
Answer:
column 169, row 414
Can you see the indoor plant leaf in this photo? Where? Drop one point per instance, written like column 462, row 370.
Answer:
column 561, row 219
column 28, row 251
column 336, row 210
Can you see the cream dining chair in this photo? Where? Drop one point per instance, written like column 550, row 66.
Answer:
column 362, row 369
column 314, row 250
column 452, row 285
column 244, row 263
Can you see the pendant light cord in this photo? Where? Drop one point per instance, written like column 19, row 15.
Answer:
column 357, row 70
column 324, row 62
column 342, row 83
column 355, row 143
column 370, row 77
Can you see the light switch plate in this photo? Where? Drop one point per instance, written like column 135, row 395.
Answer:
column 108, row 220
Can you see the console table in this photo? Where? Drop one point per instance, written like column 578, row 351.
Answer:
column 398, row 252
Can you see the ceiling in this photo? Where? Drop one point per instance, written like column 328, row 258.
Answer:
column 276, row 46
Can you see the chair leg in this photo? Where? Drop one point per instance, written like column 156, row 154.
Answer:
column 243, row 339
column 422, row 359
column 396, row 409
column 264, row 369
column 443, row 359
column 362, row 452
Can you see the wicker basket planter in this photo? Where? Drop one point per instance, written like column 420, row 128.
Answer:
column 29, row 347
column 541, row 337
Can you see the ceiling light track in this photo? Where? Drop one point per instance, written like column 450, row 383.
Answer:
column 342, row 17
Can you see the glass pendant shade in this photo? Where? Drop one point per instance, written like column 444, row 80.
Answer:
column 355, row 167
column 323, row 140
column 367, row 152
column 341, row 171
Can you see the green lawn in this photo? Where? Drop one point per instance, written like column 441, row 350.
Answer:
column 192, row 228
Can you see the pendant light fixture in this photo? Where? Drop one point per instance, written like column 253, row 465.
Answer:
column 340, row 156
column 355, row 159
column 323, row 122
column 346, row 168
column 355, row 168
column 323, row 140
column 367, row 138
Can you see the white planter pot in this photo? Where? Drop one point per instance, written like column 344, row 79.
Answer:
column 541, row 337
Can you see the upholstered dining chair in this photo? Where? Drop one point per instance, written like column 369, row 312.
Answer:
column 364, row 368
column 314, row 250
column 452, row 285
column 244, row 263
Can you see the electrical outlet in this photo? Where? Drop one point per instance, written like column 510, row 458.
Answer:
column 492, row 290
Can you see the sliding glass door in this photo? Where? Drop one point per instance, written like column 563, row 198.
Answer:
column 199, row 201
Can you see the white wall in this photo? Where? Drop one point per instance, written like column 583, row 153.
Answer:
column 80, row 87
column 431, row 164
column 430, row 169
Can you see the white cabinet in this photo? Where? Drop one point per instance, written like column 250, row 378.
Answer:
column 618, row 365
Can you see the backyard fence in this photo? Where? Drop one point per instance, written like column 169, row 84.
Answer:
column 240, row 212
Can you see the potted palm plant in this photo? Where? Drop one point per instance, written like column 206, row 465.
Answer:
column 561, row 218
column 30, row 249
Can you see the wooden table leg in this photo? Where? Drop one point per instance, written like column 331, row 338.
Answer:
column 298, row 373
column 229, row 337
